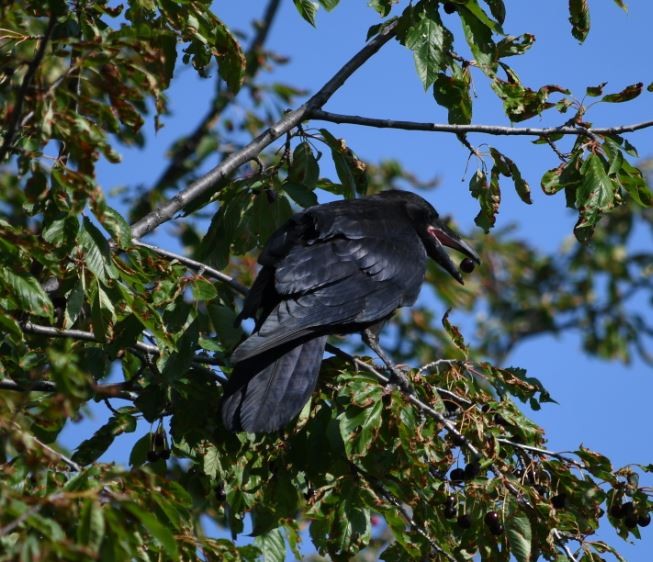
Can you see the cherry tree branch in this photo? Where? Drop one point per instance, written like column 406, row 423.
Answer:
column 207, row 183
column 189, row 145
column 338, row 118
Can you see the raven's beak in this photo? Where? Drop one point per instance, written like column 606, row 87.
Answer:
column 440, row 236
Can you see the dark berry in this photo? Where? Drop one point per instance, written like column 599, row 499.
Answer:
column 457, row 475
column 450, row 501
column 496, row 529
column 616, row 510
column 631, row 520
column 472, row 470
column 492, row 518
column 164, row 454
column 158, row 440
column 644, row 520
column 464, row 521
column 559, row 501
column 627, row 509
column 467, row 265
column 449, row 8
column 152, row 456
column 541, row 489
column 220, row 494
column 450, row 511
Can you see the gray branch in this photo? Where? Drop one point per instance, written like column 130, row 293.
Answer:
column 291, row 119
column 321, row 115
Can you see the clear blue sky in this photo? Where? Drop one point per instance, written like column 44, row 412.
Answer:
column 604, row 406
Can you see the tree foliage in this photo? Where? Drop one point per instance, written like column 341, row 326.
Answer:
column 91, row 313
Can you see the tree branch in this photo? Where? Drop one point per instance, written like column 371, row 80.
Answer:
column 321, row 115
column 291, row 119
column 27, row 79
column 197, row 266
column 50, row 331
column 189, row 145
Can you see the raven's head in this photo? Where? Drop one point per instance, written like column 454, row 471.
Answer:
column 435, row 235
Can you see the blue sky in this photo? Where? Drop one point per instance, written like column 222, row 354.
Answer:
column 605, row 406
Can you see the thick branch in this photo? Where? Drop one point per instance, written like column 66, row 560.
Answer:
column 27, row 80
column 291, row 119
column 460, row 129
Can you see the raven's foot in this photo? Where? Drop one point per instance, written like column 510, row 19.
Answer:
column 397, row 377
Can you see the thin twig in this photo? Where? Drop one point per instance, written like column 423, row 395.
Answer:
column 196, row 265
column 321, row 115
column 22, row 92
column 563, row 544
column 99, row 391
column 541, row 451
column 53, row 332
column 291, row 119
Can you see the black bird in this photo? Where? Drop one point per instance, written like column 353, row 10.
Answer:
column 340, row 267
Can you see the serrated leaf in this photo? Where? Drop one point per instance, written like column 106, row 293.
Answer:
column 307, row 9
column 74, row 304
column 518, row 530
column 627, row 94
column 478, row 32
column 594, row 196
column 430, row 42
column 579, row 17
column 27, row 292
column 97, row 254
column 117, row 226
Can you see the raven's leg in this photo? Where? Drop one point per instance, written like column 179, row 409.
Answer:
column 371, row 339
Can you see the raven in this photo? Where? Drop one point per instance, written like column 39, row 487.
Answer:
column 335, row 268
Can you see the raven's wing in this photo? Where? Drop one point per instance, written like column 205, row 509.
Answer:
column 349, row 278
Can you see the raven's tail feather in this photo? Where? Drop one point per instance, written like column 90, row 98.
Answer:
column 265, row 392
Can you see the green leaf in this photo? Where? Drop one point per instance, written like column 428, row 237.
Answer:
column 595, row 91
column 300, row 194
column 627, row 94
column 497, row 9
column 579, row 17
column 304, row 168
column 90, row 528
column 307, row 9
column 382, row 7
column 91, row 449
column 510, row 46
column 74, row 304
column 594, row 196
column 478, row 32
column 203, row 289
column 489, row 198
column 430, row 42
column 27, row 293
column 329, row 5
column 117, row 226
column 452, row 92
column 159, row 531
column 508, row 168
column 518, row 530
column 97, row 254
column 272, row 545
column 231, row 60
